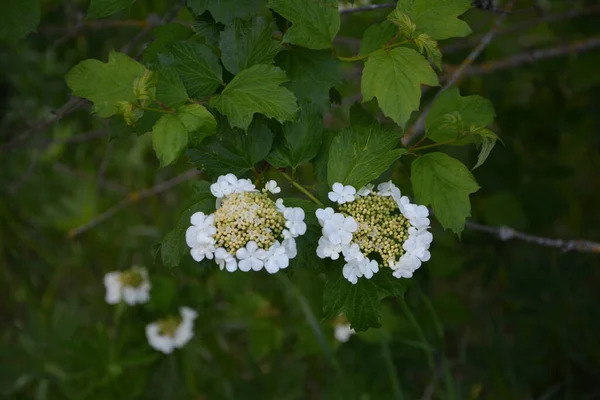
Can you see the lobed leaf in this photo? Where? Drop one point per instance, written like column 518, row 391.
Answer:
column 437, row 18
column 444, row 183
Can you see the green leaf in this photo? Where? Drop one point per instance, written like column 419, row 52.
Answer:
column 209, row 31
column 197, row 66
column 359, row 154
column 256, row 90
column 173, row 247
column 444, row 183
column 105, row 8
column 437, row 18
column 232, row 150
column 312, row 73
column 395, row 78
column 427, row 45
column 376, row 36
column 224, row 11
column 164, row 36
column 247, row 43
column 18, row 18
column 473, row 110
column 169, row 87
column 361, row 303
column 301, row 140
column 172, row 133
column 106, row 84
column 485, row 140
column 314, row 22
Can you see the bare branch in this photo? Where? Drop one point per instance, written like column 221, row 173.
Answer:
column 506, row 233
column 533, row 56
column 370, row 7
column 573, row 13
column 132, row 198
column 419, row 126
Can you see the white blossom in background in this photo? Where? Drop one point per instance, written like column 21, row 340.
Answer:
column 249, row 231
column 342, row 332
column 372, row 227
column 346, row 5
column 172, row 332
column 131, row 286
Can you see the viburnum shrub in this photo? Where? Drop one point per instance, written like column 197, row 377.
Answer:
column 246, row 94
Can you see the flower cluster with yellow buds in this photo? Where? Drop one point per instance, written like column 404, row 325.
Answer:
column 372, row 227
column 249, row 230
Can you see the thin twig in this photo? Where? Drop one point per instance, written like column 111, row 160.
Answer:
column 132, row 198
column 64, row 169
column 419, row 125
column 533, row 56
column 370, row 7
column 507, row 233
column 573, row 13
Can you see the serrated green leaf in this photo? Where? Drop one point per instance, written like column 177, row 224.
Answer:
column 300, row 141
column 376, row 36
column 232, row 150
column 247, row 43
column 314, row 22
column 224, row 11
column 169, row 87
column 18, row 18
column 165, row 35
column 395, row 77
column 444, row 183
column 198, row 67
column 473, row 110
column 359, row 154
column 105, row 84
column 361, row 303
column 208, row 30
column 172, row 132
column 427, row 45
column 437, row 18
column 173, row 247
column 105, row 8
column 312, row 73
column 256, row 90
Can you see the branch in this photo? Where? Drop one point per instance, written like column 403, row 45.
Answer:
column 419, row 125
column 461, row 44
column 533, row 56
column 132, row 198
column 74, row 103
column 506, row 233
column 370, row 7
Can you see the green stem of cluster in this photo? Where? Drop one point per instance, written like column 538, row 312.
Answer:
column 429, row 146
column 364, row 56
column 301, row 188
column 156, row 110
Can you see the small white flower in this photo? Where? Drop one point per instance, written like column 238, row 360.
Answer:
column 279, row 205
column 388, row 189
column 118, row 287
column 324, row 214
column 342, row 194
column 225, row 260
column 352, row 253
column 166, row 342
column 343, row 332
column 224, row 186
column 272, row 187
column 326, row 249
column 290, row 248
column 244, row 185
column 251, row 257
column 352, row 272
column 276, row 259
column 365, row 190
column 339, row 229
column 357, row 269
column 199, row 236
column 417, row 215
column 295, row 221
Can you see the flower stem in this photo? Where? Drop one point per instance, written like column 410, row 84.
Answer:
column 300, row 188
column 429, row 146
column 156, row 110
column 415, row 324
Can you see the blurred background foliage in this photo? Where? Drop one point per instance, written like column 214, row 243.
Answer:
column 484, row 319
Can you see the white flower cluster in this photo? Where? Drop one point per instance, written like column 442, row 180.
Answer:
column 174, row 332
column 249, row 231
column 374, row 222
column 131, row 286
